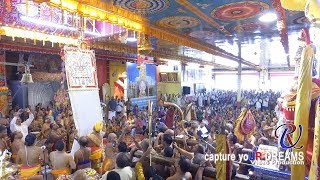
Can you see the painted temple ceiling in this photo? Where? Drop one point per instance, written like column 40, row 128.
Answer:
column 209, row 22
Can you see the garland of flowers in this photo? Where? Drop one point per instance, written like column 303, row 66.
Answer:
column 61, row 97
column 5, row 99
column 282, row 24
column 139, row 171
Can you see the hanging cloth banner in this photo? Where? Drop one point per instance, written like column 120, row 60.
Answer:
column 80, row 66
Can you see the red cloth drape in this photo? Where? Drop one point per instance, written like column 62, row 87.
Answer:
column 169, row 118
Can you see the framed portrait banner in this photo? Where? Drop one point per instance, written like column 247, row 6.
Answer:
column 80, row 67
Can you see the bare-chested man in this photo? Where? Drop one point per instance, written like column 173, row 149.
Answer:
column 36, row 124
column 62, row 132
column 59, row 120
column 3, row 138
column 16, row 145
column 53, row 135
column 62, row 162
column 45, row 130
column 5, row 122
column 182, row 166
column 95, row 142
column 111, row 150
column 82, row 156
column 110, row 153
column 67, row 118
column 29, row 157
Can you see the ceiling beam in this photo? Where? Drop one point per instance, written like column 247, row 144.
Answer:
column 270, row 69
column 123, row 48
column 108, row 12
column 194, row 43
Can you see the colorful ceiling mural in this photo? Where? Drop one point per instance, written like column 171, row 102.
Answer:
column 145, row 7
column 209, row 20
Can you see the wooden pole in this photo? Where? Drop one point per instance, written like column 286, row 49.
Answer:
column 150, row 126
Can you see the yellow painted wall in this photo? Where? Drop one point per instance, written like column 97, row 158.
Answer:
column 116, row 69
column 169, row 87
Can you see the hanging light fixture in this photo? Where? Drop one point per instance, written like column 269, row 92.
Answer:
column 27, row 8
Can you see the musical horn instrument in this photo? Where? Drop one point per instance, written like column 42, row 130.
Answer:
column 164, row 103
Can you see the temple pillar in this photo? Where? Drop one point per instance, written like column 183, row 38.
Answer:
column 264, row 63
column 265, row 79
column 239, row 75
column 102, row 73
column 213, row 80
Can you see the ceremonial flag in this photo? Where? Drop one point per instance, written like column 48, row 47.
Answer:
column 245, row 125
column 222, row 167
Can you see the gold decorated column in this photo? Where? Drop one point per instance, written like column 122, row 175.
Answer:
column 221, row 166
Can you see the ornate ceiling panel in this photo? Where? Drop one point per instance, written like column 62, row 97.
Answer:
column 239, row 10
column 144, row 7
column 210, row 20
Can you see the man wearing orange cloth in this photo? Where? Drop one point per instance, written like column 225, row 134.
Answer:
column 29, row 158
column 62, row 162
column 95, row 143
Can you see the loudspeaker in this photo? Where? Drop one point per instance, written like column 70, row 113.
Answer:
column 185, row 90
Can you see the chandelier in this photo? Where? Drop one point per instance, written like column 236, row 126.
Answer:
column 27, row 8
